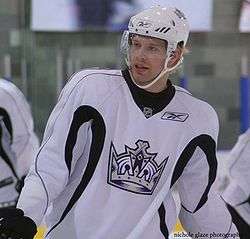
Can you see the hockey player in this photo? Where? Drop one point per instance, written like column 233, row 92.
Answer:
column 18, row 142
column 116, row 144
column 237, row 194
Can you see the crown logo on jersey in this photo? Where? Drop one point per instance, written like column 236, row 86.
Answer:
column 135, row 169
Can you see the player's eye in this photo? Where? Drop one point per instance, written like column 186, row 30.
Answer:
column 153, row 48
column 135, row 44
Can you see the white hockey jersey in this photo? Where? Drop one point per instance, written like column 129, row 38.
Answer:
column 108, row 151
column 18, row 142
column 237, row 194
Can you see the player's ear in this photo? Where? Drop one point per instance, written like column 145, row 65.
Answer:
column 175, row 57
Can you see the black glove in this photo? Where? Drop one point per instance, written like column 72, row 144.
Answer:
column 14, row 225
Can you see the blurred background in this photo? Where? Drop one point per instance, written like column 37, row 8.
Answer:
column 43, row 42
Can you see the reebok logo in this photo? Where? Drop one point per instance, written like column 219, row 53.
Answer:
column 175, row 116
column 145, row 24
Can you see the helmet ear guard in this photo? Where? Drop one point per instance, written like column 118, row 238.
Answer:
column 124, row 47
column 166, row 23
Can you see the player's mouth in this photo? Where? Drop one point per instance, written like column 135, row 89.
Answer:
column 140, row 69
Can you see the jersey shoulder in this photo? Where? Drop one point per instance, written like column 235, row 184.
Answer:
column 9, row 88
column 244, row 138
column 9, row 92
column 15, row 104
column 203, row 114
column 93, row 84
column 93, row 76
column 92, row 79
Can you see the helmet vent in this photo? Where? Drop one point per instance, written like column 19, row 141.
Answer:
column 163, row 29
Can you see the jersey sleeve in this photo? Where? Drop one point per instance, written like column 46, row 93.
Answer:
column 58, row 154
column 237, row 194
column 7, row 156
column 6, row 135
column 202, row 209
column 18, row 122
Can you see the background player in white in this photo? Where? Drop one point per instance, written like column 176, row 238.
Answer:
column 18, row 142
column 237, row 194
column 116, row 144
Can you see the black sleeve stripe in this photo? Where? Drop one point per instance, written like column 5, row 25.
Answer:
column 163, row 225
column 208, row 146
column 246, row 201
column 82, row 115
column 185, row 208
column 7, row 121
column 5, row 156
column 242, row 226
column 8, row 125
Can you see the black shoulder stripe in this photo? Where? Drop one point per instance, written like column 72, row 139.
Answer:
column 241, row 225
column 5, row 156
column 163, row 225
column 82, row 115
column 208, row 146
column 7, row 121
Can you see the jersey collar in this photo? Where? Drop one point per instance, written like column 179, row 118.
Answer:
column 148, row 102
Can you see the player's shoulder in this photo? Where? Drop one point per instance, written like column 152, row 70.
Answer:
column 245, row 137
column 196, row 105
column 247, row 133
column 94, row 76
column 7, row 86
column 203, row 115
column 92, row 83
column 13, row 100
column 10, row 90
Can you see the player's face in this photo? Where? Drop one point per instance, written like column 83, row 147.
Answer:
column 147, row 58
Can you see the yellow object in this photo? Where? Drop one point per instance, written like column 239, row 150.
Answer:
column 40, row 232
column 42, row 229
column 178, row 227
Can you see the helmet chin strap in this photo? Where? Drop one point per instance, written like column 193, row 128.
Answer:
column 158, row 77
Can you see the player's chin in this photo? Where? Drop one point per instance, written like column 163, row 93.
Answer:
column 140, row 77
column 142, row 81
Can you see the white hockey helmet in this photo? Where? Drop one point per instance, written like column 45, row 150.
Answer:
column 166, row 23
